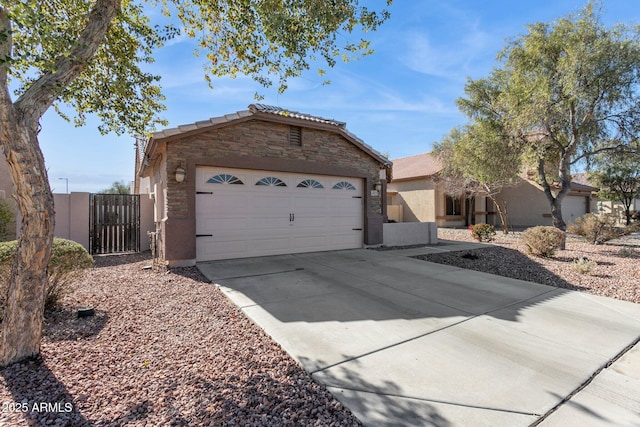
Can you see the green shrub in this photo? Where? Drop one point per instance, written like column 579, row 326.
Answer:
column 583, row 265
column 482, row 232
column 597, row 229
column 6, row 218
column 542, row 240
column 68, row 258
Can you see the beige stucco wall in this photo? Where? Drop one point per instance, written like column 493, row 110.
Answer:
column 417, row 198
column 72, row 217
column 527, row 206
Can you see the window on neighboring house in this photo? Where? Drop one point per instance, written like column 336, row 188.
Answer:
column 453, row 206
column 295, row 135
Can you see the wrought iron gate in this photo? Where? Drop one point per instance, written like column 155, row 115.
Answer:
column 114, row 221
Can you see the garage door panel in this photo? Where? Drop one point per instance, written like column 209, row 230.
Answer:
column 573, row 207
column 310, row 243
column 223, row 204
column 223, row 226
column 345, row 241
column 208, row 248
column 269, row 245
column 310, row 203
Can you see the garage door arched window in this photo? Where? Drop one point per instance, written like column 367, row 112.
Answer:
column 343, row 185
column 271, row 181
column 224, row 178
column 310, row 183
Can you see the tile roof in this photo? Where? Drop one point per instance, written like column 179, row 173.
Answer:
column 582, row 187
column 269, row 109
column 260, row 110
column 418, row 166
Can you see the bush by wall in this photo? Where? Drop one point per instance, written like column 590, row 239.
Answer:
column 68, row 258
column 543, row 241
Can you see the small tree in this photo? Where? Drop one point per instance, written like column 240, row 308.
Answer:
column 118, row 187
column 619, row 180
column 477, row 162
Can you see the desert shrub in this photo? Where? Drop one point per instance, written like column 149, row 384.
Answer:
column 597, row 229
column 6, row 217
column 482, row 232
column 627, row 252
column 543, row 240
column 583, row 265
column 68, row 258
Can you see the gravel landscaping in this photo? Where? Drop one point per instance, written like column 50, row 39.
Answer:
column 616, row 275
column 164, row 348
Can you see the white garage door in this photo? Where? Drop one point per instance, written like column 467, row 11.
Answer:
column 573, row 207
column 244, row 213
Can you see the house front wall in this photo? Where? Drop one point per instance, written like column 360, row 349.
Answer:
column 417, row 198
column 527, row 205
column 257, row 145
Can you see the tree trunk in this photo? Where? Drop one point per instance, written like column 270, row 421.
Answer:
column 556, row 215
column 19, row 122
column 23, row 314
column 502, row 214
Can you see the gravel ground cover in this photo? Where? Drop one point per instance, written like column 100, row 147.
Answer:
column 616, row 275
column 163, row 349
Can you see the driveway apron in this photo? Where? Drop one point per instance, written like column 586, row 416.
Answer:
column 402, row 341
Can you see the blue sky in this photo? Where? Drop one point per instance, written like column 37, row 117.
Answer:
column 399, row 100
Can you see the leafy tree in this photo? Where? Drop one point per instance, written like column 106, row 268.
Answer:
column 566, row 91
column 619, row 179
column 118, row 187
column 477, row 161
column 88, row 55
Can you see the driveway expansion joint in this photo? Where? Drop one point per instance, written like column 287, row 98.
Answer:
column 586, row 383
column 442, row 402
column 333, row 365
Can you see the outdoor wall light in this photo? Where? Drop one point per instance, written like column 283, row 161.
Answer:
column 378, row 186
column 180, row 174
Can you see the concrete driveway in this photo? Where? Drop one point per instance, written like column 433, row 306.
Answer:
column 402, row 341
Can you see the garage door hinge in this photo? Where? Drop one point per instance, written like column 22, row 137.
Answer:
column 204, row 192
column 357, row 229
column 204, row 235
column 356, row 197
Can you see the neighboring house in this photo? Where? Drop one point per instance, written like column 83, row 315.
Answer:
column 264, row 181
column 603, row 206
column 528, row 206
column 416, row 194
